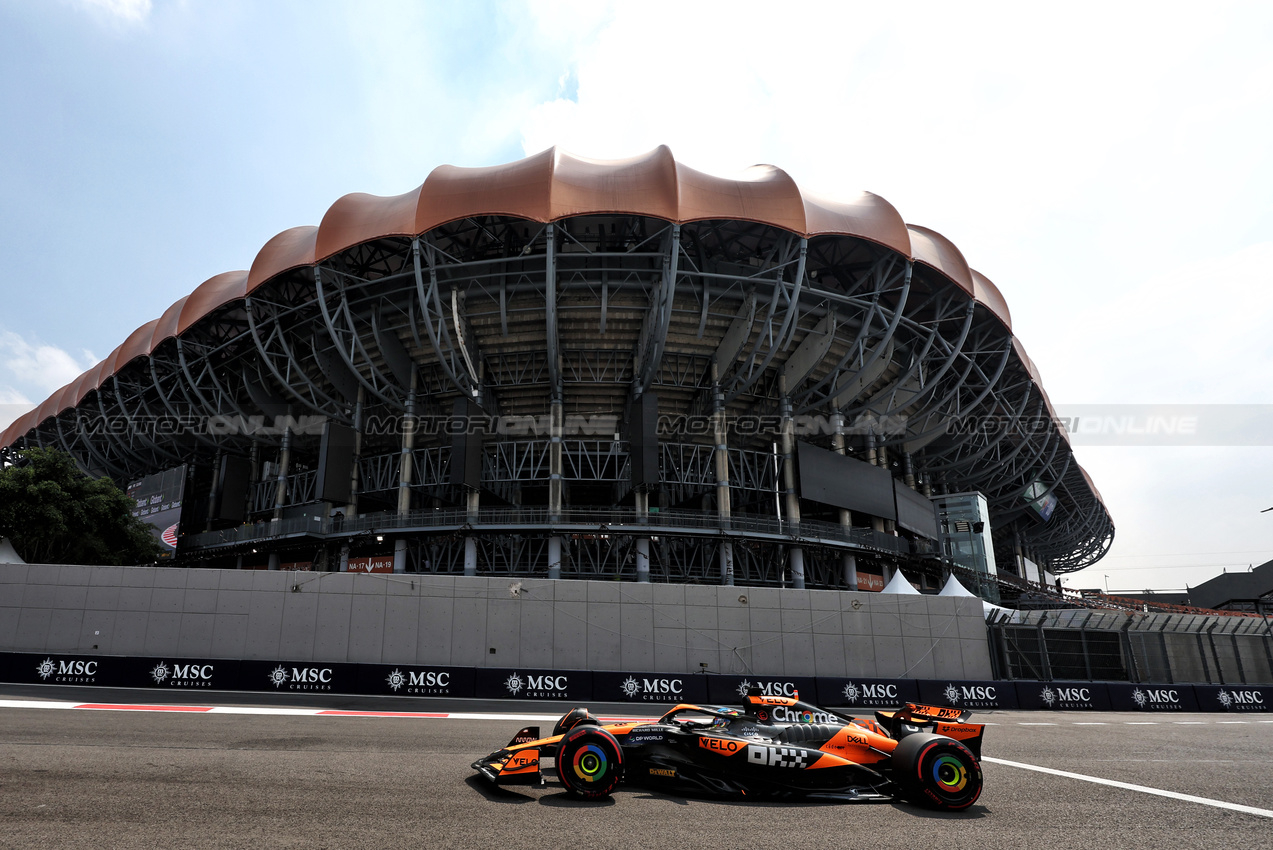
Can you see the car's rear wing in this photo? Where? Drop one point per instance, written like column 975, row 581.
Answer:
column 940, row 720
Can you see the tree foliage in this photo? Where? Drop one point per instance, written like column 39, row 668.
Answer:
column 55, row 514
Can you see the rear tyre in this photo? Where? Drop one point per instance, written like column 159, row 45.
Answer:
column 937, row 771
column 589, row 763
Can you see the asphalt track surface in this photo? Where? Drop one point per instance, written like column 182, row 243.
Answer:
column 156, row 779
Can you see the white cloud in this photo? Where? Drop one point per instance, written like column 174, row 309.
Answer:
column 31, row 369
column 122, row 11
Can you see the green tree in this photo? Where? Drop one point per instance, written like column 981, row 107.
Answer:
column 55, row 514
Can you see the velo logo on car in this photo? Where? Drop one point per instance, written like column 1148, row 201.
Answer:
column 722, row 746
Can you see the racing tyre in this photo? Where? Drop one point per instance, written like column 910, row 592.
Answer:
column 937, row 771
column 589, row 762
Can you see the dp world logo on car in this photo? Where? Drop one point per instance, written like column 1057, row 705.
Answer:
column 302, row 678
column 182, row 675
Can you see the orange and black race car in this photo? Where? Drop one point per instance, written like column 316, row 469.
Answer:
column 771, row 748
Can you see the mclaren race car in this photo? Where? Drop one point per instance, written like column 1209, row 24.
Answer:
column 772, row 748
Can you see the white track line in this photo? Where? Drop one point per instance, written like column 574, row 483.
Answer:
column 1219, row 804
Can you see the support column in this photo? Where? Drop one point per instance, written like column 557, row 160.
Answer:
column 720, row 432
column 555, row 495
column 284, row 460
column 642, row 499
column 215, row 491
column 847, row 559
column 873, row 458
column 273, row 561
column 795, row 554
column 404, row 472
column 470, row 542
column 355, row 479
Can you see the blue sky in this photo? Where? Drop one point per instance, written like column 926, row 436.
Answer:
column 1106, row 165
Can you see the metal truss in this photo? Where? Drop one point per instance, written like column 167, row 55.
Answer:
column 593, row 312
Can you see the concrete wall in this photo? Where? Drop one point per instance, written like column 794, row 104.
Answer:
column 488, row 622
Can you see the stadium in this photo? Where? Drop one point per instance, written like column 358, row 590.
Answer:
column 568, row 368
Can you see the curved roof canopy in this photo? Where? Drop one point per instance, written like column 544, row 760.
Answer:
column 549, row 186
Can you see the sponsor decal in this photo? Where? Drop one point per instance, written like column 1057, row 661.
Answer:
column 543, row 685
column 67, row 671
column 522, row 761
column 769, row 689
column 668, row 772
column 646, row 738
column 652, row 689
column 302, row 678
column 787, row 714
column 724, row 746
column 1242, row 699
column 419, row 681
column 180, row 675
column 1151, row 697
column 776, row 756
column 971, row 696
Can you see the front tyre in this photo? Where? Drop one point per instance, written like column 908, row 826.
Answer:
column 937, row 771
column 589, row 763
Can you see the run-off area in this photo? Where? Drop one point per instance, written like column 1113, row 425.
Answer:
column 239, row 778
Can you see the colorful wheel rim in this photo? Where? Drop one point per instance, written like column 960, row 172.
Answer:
column 590, row 763
column 950, row 774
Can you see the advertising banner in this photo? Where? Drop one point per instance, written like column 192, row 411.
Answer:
column 157, row 502
column 970, row 695
column 523, row 683
column 408, row 680
column 298, row 677
column 668, row 688
column 860, row 694
column 1234, row 697
column 58, row 669
column 1063, row 696
column 1125, row 697
column 729, row 689
column 194, row 674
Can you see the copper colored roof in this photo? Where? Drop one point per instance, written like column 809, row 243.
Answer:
column 550, row 186
column 987, row 293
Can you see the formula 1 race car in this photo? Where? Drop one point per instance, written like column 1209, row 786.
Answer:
column 773, row 748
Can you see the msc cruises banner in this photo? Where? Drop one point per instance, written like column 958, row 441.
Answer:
column 210, row 675
column 858, row 693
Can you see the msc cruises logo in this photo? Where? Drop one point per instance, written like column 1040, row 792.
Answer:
column 769, row 689
column 302, row 678
column 182, row 675
column 854, row 692
column 651, row 689
column 75, row 670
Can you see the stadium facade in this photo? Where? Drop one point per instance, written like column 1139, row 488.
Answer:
column 572, row 368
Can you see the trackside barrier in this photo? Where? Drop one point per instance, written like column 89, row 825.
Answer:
column 210, row 675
